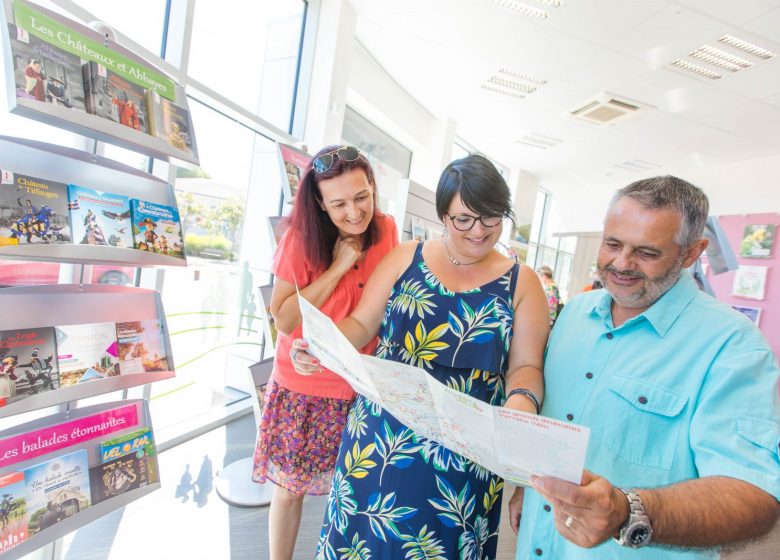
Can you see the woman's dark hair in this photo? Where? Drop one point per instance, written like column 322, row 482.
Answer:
column 479, row 184
column 313, row 224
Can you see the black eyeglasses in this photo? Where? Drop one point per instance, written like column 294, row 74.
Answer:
column 464, row 222
column 325, row 161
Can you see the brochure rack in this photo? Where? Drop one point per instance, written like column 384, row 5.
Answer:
column 95, row 511
column 67, row 165
column 63, row 304
column 163, row 130
column 80, row 121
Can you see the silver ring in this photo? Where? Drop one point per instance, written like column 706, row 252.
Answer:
column 295, row 355
column 569, row 522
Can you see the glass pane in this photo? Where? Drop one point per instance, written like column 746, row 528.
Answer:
column 389, row 158
column 538, row 219
column 210, row 305
column 563, row 275
column 143, row 23
column 257, row 71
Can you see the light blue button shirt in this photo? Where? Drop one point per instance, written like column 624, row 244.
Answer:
column 685, row 390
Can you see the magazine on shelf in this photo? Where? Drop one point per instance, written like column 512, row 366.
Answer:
column 28, row 363
column 43, row 72
column 13, row 510
column 32, row 210
column 117, row 476
column 99, row 218
column 110, row 96
column 86, row 352
column 171, row 122
column 141, row 346
column 156, row 228
column 137, row 442
column 57, row 489
column 293, row 165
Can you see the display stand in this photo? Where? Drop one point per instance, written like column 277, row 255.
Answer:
column 80, row 121
column 234, row 483
column 65, row 526
column 82, row 437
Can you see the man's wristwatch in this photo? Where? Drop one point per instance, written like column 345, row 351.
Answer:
column 637, row 530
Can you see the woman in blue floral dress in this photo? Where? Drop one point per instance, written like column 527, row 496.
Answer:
column 476, row 322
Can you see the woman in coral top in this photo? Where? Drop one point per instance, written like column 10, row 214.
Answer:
column 336, row 237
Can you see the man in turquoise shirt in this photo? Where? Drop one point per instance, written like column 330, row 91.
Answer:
column 680, row 393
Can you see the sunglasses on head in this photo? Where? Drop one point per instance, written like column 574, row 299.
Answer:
column 325, row 161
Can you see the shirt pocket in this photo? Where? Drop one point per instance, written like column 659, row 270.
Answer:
column 643, row 421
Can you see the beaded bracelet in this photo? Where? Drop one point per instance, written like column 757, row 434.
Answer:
column 528, row 393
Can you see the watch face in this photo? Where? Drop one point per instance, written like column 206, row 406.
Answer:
column 639, row 535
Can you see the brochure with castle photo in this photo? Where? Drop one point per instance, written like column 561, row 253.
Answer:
column 112, row 97
column 57, row 489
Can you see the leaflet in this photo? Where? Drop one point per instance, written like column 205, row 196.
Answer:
column 513, row 444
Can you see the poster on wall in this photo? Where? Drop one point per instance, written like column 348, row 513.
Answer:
column 293, row 163
column 752, row 313
column 757, row 241
column 750, row 282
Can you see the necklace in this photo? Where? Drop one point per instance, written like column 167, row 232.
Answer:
column 453, row 260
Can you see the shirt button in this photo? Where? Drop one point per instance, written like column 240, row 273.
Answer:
column 356, row 267
column 538, row 551
column 610, row 336
column 547, row 507
column 642, row 400
column 360, row 284
column 570, row 417
column 589, row 375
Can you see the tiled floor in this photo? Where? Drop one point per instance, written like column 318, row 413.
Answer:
column 186, row 519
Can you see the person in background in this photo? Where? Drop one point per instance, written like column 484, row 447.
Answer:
column 678, row 389
column 551, row 291
column 474, row 320
column 336, row 238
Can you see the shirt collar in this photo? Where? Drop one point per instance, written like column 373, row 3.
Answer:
column 662, row 314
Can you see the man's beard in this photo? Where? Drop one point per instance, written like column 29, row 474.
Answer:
column 651, row 291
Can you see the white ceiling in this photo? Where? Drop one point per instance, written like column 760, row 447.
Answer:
column 441, row 51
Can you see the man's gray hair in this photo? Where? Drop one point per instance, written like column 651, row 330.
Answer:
column 686, row 200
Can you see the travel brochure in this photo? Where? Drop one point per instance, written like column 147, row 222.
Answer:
column 293, row 162
column 757, row 241
column 39, row 360
column 512, row 444
column 750, row 282
column 35, row 211
column 41, row 495
column 55, row 63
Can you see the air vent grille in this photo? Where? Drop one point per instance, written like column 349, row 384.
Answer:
column 606, row 108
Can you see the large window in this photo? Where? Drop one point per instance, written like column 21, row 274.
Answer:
column 239, row 66
column 547, row 249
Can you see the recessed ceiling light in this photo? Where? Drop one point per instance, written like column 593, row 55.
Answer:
column 541, row 141
column 720, row 58
column 512, row 84
column 505, row 91
column 521, row 8
column 526, row 77
column 746, row 47
column 696, row 69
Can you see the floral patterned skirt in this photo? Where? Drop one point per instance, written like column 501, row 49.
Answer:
column 298, row 440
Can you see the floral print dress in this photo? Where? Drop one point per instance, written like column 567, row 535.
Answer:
column 396, row 494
